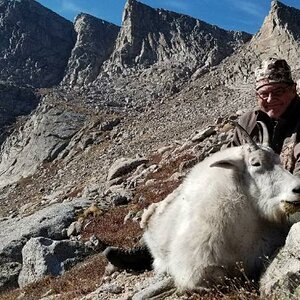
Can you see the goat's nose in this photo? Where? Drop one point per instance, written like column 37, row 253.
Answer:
column 296, row 190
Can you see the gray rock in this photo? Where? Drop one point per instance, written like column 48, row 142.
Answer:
column 91, row 191
column 159, row 288
column 41, row 139
column 75, row 228
column 43, row 256
column 124, row 166
column 9, row 273
column 49, row 222
column 282, row 277
column 14, row 102
column 111, row 288
column 148, row 36
column 95, row 244
column 278, row 33
column 109, row 125
column 200, row 136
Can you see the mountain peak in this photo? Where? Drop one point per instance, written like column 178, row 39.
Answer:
column 279, row 33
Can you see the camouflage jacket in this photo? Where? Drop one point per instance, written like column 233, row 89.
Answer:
column 284, row 134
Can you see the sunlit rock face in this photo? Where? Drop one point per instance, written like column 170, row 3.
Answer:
column 94, row 44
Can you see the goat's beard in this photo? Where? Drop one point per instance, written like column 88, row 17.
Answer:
column 274, row 210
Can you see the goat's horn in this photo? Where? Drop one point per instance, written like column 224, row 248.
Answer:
column 246, row 136
column 265, row 134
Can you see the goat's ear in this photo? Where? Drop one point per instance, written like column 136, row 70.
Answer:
column 226, row 163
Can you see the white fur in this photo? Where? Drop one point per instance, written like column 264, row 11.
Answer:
column 228, row 210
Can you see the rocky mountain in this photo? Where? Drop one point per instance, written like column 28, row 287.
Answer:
column 41, row 139
column 278, row 36
column 35, row 43
column 88, row 66
column 117, row 120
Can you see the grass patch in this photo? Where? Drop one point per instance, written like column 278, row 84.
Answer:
column 110, row 228
column 84, row 278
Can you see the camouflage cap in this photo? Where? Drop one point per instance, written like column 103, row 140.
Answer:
column 273, row 70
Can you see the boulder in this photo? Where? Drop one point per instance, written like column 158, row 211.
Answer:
column 9, row 273
column 48, row 222
column 282, row 278
column 43, row 256
column 124, row 166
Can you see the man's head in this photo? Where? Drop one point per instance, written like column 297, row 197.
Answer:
column 275, row 87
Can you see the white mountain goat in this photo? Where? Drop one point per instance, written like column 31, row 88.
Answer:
column 232, row 208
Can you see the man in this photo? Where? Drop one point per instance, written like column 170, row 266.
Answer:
column 279, row 109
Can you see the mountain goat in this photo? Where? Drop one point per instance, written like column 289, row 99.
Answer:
column 232, row 208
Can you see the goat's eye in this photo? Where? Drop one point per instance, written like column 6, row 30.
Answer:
column 255, row 162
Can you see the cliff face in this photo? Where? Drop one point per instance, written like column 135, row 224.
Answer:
column 152, row 35
column 42, row 138
column 40, row 48
column 94, row 44
column 35, row 43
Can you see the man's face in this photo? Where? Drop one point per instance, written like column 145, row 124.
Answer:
column 275, row 98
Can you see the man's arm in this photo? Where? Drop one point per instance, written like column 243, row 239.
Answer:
column 297, row 163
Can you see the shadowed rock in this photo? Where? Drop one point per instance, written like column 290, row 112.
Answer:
column 35, row 43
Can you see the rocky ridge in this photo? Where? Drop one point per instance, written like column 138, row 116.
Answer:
column 149, row 36
column 94, row 45
column 279, row 34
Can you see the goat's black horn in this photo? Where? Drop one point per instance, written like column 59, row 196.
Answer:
column 265, row 134
column 246, row 136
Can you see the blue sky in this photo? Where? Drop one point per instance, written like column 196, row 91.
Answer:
column 246, row 15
